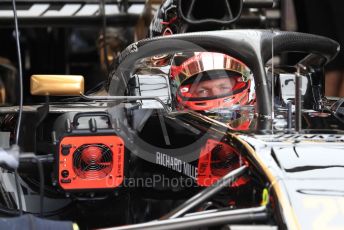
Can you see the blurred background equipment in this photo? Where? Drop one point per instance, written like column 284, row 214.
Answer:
column 8, row 83
column 62, row 37
column 325, row 18
column 117, row 38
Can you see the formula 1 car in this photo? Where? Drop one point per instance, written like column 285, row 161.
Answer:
column 132, row 152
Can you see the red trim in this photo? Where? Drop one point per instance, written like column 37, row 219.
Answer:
column 167, row 32
column 170, row 21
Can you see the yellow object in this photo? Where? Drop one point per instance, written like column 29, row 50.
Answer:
column 75, row 226
column 265, row 197
column 57, row 85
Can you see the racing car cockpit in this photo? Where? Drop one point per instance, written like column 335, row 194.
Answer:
column 210, row 83
column 197, row 130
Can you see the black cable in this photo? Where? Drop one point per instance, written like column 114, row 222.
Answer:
column 33, row 157
column 6, row 197
column 20, row 112
column 15, row 212
column 20, row 73
column 41, row 186
column 8, row 211
column 48, row 191
column 95, row 88
column 42, row 112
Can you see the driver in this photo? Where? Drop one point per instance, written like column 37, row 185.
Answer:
column 210, row 83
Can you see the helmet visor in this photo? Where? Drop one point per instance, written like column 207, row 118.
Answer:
column 182, row 70
column 212, row 84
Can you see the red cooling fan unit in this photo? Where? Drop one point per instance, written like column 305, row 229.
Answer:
column 90, row 162
column 216, row 160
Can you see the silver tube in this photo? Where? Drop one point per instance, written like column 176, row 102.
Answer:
column 127, row 98
column 205, row 194
column 298, row 100
column 272, row 83
column 208, row 219
column 289, row 115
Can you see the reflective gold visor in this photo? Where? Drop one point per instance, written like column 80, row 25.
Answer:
column 207, row 61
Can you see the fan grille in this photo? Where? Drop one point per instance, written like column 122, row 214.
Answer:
column 92, row 161
column 223, row 160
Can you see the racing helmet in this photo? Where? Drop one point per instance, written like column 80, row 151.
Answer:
column 206, row 81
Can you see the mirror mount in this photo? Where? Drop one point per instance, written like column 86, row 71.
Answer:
column 125, row 98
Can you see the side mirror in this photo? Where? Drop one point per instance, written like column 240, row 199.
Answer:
column 287, row 86
column 151, row 85
column 57, row 85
